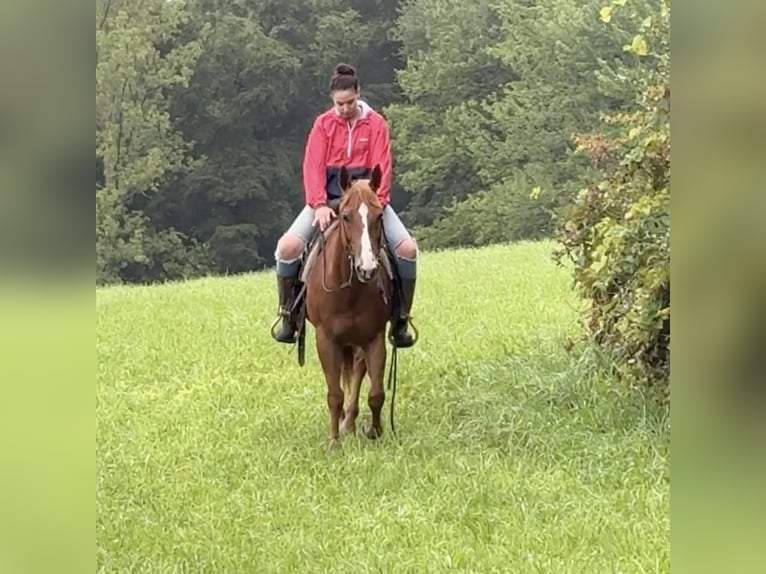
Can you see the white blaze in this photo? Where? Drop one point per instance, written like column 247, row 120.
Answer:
column 368, row 262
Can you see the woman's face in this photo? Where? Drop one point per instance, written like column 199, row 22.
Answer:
column 345, row 103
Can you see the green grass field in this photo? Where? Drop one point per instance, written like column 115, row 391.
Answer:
column 512, row 455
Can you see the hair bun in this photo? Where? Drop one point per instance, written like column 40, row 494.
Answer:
column 345, row 70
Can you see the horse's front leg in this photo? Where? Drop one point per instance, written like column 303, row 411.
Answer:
column 331, row 359
column 376, row 366
column 351, row 392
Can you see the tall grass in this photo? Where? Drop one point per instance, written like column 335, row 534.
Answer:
column 513, row 455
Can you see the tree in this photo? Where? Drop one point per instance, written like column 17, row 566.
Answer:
column 485, row 141
column 449, row 70
column 139, row 56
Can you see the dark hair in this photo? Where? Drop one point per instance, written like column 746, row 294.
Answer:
column 344, row 78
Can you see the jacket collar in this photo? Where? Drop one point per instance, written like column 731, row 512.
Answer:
column 364, row 108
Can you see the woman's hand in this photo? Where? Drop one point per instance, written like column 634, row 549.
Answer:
column 323, row 216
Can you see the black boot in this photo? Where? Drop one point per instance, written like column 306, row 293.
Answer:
column 398, row 335
column 287, row 288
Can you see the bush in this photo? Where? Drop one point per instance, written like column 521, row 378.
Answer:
column 617, row 232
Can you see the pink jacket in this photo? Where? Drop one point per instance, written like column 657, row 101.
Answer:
column 333, row 143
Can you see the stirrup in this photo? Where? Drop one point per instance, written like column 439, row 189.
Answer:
column 273, row 329
column 415, row 332
column 280, row 317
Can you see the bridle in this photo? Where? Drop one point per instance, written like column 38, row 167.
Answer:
column 352, row 267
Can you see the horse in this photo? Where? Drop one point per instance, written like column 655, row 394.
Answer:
column 349, row 293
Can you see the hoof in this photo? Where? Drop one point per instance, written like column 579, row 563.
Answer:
column 372, row 433
column 347, row 428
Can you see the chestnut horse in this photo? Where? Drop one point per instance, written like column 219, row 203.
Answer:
column 348, row 301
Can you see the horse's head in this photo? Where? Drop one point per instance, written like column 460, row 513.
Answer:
column 361, row 222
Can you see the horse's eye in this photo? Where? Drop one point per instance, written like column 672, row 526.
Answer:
column 346, row 217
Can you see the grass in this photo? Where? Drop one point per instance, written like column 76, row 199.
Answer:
column 513, row 456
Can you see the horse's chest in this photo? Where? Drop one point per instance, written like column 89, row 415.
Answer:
column 361, row 319
column 360, row 323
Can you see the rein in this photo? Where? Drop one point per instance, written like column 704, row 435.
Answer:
column 392, row 387
column 347, row 282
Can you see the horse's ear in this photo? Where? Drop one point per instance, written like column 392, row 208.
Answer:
column 375, row 177
column 345, row 179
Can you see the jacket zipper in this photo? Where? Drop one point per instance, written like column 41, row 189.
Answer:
column 350, row 136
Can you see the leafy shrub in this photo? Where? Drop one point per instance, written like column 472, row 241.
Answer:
column 617, row 232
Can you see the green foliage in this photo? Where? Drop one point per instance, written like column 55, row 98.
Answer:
column 495, row 94
column 448, row 70
column 504, row 213
column 140, row 55
column 618, row 230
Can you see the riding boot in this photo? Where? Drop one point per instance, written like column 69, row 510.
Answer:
column 286, row 286
column 399, row 335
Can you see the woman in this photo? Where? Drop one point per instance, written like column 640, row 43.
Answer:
column 353, row 135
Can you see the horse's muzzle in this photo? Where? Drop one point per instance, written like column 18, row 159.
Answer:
column 366, row 275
